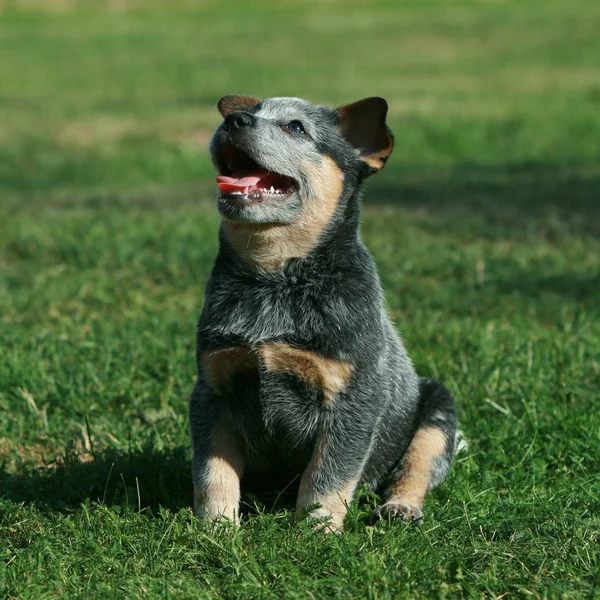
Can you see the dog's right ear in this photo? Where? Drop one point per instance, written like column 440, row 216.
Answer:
column 229, row 104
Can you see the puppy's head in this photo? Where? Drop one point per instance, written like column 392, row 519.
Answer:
column 283, row 160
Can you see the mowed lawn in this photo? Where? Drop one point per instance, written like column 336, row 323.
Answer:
column 485, row 225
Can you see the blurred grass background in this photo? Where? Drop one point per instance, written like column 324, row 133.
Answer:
column 98, row 94
column 485, row 226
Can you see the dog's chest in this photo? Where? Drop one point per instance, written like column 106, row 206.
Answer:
column 272, row 356
column 274, row 395
column 277, row 339
column 277, row 369
column 315, row 312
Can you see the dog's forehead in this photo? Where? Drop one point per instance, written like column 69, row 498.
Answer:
column 286, row 107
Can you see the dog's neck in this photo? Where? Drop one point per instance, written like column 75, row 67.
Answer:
column 269, row 247
column 266, row 247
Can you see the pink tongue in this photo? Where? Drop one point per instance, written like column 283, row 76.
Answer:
column 246, row 183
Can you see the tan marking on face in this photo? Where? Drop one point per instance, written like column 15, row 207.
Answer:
column 267, row 246
column 219, row 365
column 330, row 376
column 427, row 444
column 220, row 494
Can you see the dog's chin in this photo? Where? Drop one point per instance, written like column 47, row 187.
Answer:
column 260, row 207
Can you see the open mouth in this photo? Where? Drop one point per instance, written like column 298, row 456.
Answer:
column 245, row 182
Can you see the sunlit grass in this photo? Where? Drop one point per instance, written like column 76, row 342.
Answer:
column 485, row 228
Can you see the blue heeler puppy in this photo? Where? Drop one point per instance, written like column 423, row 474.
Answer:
column 300, row 371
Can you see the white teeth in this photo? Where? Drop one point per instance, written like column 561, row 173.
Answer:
column 272, row 190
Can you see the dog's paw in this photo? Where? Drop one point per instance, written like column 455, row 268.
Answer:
column 397, row 511
column 323, row 520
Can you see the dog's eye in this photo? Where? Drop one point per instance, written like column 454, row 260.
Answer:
column 295, row 127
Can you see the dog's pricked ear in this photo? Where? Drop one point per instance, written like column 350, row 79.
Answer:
column 229, row 104
column 363, row 124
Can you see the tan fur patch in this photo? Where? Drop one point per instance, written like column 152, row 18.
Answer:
column 330, row 376
column 427, row 444
column 377, row 159
column 220, row 495
column 219, row 365
column 334, row 505
column 267, row 246
column 305, row 491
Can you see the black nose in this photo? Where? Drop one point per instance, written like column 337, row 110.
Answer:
column 237, row 120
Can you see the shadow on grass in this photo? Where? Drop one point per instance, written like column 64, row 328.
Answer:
column 517, row 294
column 528, row 204
column 579, row 287
column 141, row 479
column 146, row 479
column 523, row 189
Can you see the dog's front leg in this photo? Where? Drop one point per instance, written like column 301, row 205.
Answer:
column 217, row 464
column 335, row 468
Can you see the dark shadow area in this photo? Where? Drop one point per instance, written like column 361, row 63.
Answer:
column 581, row 288
column 553, row 204
column 520, row 189
column 504, row 294
column 147, row 478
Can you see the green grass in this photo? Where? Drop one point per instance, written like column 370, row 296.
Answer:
column 485, row 226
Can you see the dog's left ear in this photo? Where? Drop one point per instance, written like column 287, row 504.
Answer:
column 363, row 124
column 229, row 104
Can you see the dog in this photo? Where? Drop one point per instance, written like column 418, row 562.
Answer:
column 300, row 370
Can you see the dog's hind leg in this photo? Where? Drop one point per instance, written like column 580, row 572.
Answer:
column 425, row 463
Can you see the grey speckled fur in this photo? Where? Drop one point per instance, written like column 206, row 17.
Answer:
column 327, row 302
